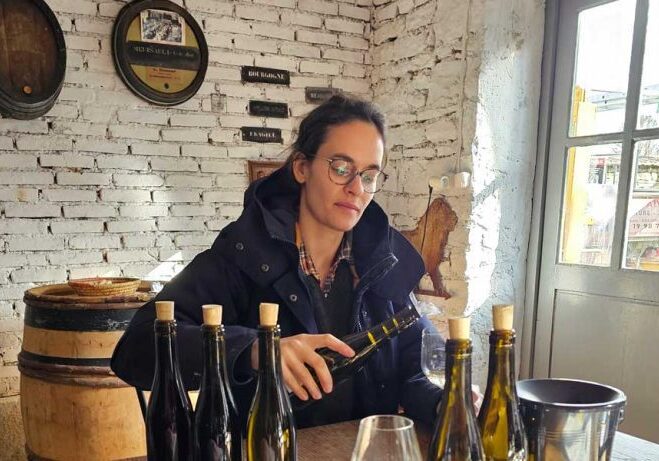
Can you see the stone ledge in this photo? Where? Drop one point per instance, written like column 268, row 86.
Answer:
column 12, row 439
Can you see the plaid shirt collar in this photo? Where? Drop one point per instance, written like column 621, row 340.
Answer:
column 344, row 252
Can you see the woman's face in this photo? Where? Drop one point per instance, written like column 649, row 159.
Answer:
column 334, row 206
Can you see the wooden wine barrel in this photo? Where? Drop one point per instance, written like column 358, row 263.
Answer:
column 32, row 58
column 73, row 406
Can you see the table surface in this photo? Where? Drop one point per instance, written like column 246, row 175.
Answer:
column 339, row 439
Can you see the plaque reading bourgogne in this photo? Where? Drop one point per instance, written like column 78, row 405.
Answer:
column 265, row 75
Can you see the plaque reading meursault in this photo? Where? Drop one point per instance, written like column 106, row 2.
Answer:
column 268, row 109
column 261, row 134
column 265, row 75
column 159, row 51
column 314, row 94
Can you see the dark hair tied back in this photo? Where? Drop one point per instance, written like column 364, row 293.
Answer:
column 337, row 110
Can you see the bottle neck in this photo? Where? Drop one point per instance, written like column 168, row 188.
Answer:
column 393, row 326
column 458, row 370
column 214, row 352
column 502, row 357
column 166, row 351
column 269, row 359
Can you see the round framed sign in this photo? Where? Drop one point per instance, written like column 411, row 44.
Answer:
column 160, row 51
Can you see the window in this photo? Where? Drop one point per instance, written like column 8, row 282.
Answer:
column 612, row 118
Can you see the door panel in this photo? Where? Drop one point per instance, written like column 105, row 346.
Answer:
column 608, row 340
column 597, row 313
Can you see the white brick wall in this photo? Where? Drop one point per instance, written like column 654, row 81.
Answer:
column 107, row 184
column 448, row 79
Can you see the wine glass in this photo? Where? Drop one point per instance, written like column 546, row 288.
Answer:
column 433, row 356
column 386, row 438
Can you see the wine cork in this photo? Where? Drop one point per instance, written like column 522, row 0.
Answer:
column 212, row 314
column 268, row 313
column 165, row 310
column 502, row 316
column 458, row 327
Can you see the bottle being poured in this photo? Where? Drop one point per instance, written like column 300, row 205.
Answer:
column 364, row 343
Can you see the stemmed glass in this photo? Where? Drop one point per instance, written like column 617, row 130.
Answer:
column 433, row 356
column 433, row 363
column 386, row 438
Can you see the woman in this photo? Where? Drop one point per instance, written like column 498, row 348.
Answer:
column 311, row 239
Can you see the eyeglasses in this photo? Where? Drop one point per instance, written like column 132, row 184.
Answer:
column 342, row 172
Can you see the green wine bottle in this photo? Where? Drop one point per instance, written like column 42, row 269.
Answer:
column 169, row 414
column 270, row 426
column 456, row 435
column 217, row 427
column 499, row 420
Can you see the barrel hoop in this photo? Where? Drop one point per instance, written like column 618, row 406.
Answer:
column 69, row 374
column 25, row 359
column 78, row 320
column 82, row 304
column 102, row 362
column 31, row 456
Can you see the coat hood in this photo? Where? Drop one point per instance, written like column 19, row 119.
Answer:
column 268, row 222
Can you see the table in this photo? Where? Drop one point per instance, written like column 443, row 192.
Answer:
column 316, row 443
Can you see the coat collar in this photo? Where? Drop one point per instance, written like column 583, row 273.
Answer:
column 262, row 241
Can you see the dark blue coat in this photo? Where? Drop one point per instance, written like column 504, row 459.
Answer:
column 254, row 260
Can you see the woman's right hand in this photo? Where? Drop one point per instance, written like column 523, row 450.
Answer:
column 299, row 352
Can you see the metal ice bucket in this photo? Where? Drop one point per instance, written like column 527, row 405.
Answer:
column 570, row 420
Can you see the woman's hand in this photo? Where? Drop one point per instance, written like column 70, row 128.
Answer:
column 298, row 352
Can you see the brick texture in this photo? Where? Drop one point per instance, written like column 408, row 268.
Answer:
column 108, row 184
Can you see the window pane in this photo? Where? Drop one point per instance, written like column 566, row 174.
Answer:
column 599, row 92
column 648, row 109
column 591, row 187
column 642, row 247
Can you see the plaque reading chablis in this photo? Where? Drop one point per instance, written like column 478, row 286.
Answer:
column 265, row 75
column 268, row 109
column 316, row 95
column 159, row 51
column 261, row 134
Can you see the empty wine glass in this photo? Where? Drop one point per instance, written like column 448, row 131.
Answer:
column 386, row 438
column 433, row 356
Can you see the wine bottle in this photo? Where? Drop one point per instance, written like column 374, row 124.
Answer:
column 364, row 343
column 499, row 420
column 169, row 414
column 456, row 435
column 216, row 425
column 270, row 426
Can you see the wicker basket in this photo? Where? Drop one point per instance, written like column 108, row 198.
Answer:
column 105, row 286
